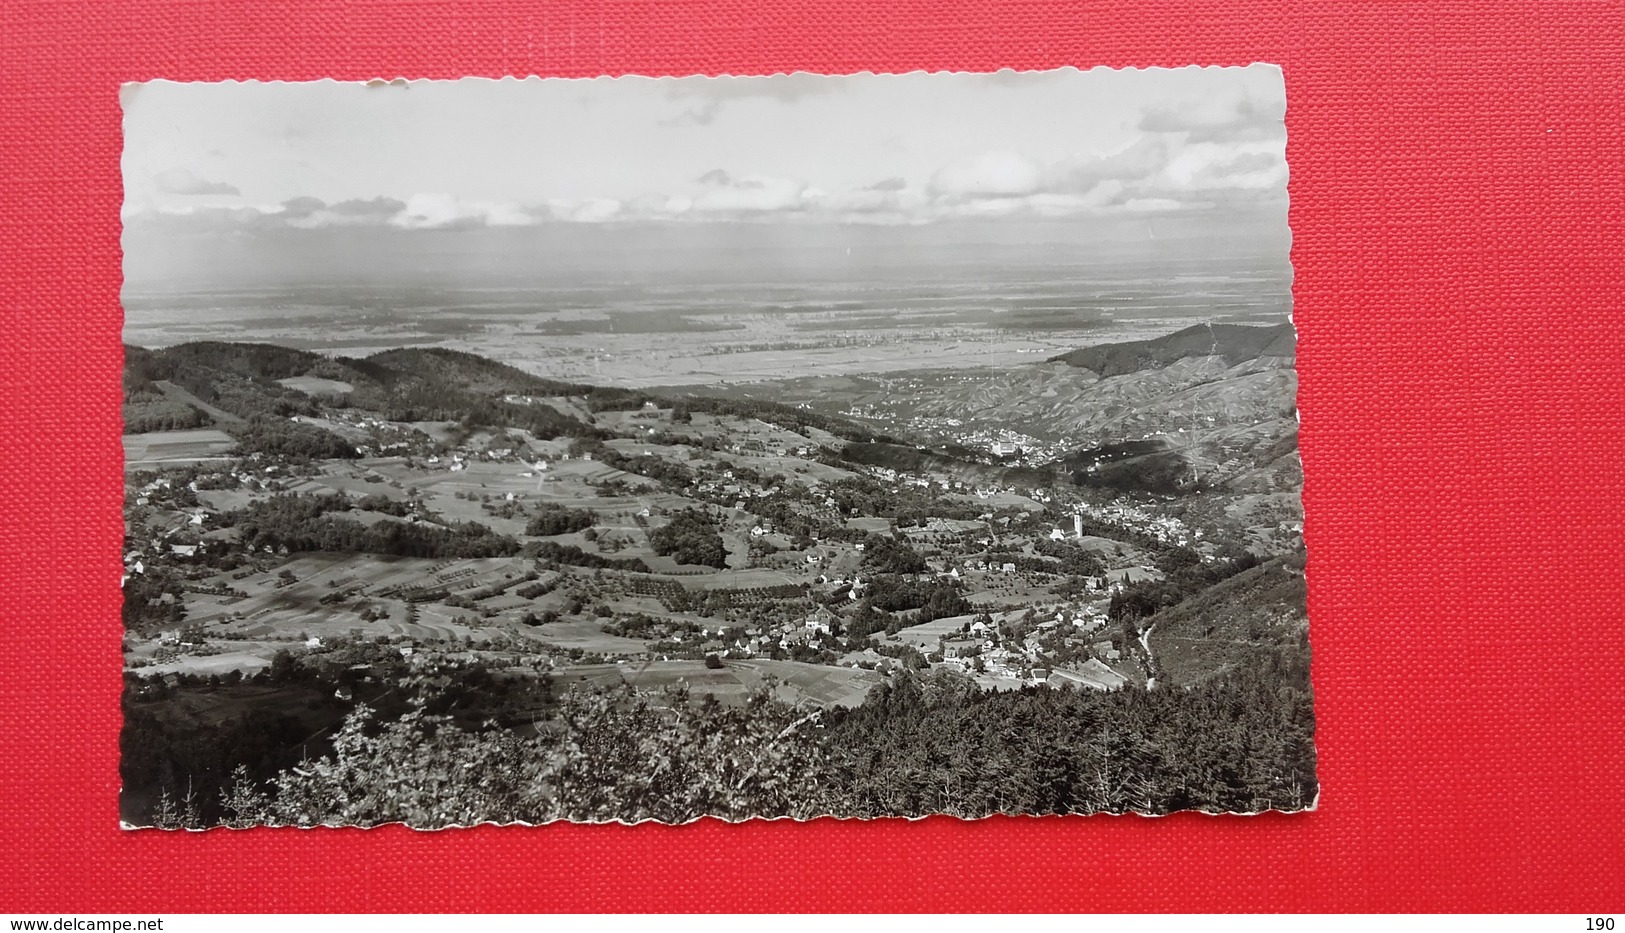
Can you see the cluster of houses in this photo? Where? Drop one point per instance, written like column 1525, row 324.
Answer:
column 979, row 649
column 807, row 630
column 1165, row 529
column 999, row 442
column 459, row 460
column 181, row 537
column 150, row 491
column 902, row 480
column 388, row 438
column 1003, row 443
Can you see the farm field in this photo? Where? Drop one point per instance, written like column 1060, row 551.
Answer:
column 733, row 460
column 174, row 448
column 589, row 637
column 924, row 637
column 495, row 573
column 313, row 385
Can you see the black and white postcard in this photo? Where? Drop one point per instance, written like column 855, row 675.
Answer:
column 747, row 447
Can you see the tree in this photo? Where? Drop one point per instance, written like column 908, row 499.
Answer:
column 889, row 555
column 244, row 804
column 690, row 538
column 284, row 667
column 552, row 519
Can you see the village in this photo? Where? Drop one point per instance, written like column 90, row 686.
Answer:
column 826, row 574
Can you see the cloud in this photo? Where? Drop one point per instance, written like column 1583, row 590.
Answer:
column 371, row 207
column 752, row 194
column 1248, row 162
column 432, row 211
column 1191, row 168
column 199, row 220
column 440, row 211
column 887, row 202
column 1160, row 171
column 1233, row 117
column 701, row 114
column 592, row 210
column 989, row 175
column 704, row 99
column 653, row 206
column 183, row 181
column 1080, row 174
column 1216, row 173
column 302, row 206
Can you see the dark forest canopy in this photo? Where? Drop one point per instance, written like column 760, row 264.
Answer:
column 553, row 519
column 920, row 744
column 310, row 523
column 291, row 441
column 690, row 538
column 412, row 384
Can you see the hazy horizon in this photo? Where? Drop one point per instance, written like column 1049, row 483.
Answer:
column 709, row 229
column 542, row 182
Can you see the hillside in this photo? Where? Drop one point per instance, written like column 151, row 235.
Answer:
column 1199, row 408
column 1248, row 621
column 307, row 535
column 1233, row 343
column 224, row 385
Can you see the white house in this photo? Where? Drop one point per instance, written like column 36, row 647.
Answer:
column 819, row 622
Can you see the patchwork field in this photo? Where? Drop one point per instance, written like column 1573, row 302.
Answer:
column 174, row 448
column 485, row 566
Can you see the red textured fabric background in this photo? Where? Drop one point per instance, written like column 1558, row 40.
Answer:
column 1458, row 213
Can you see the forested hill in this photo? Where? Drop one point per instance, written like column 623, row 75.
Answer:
column 398, row 372
column 197, row 384
column 1235, row 343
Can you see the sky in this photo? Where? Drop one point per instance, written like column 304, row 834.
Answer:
column 268, row 162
